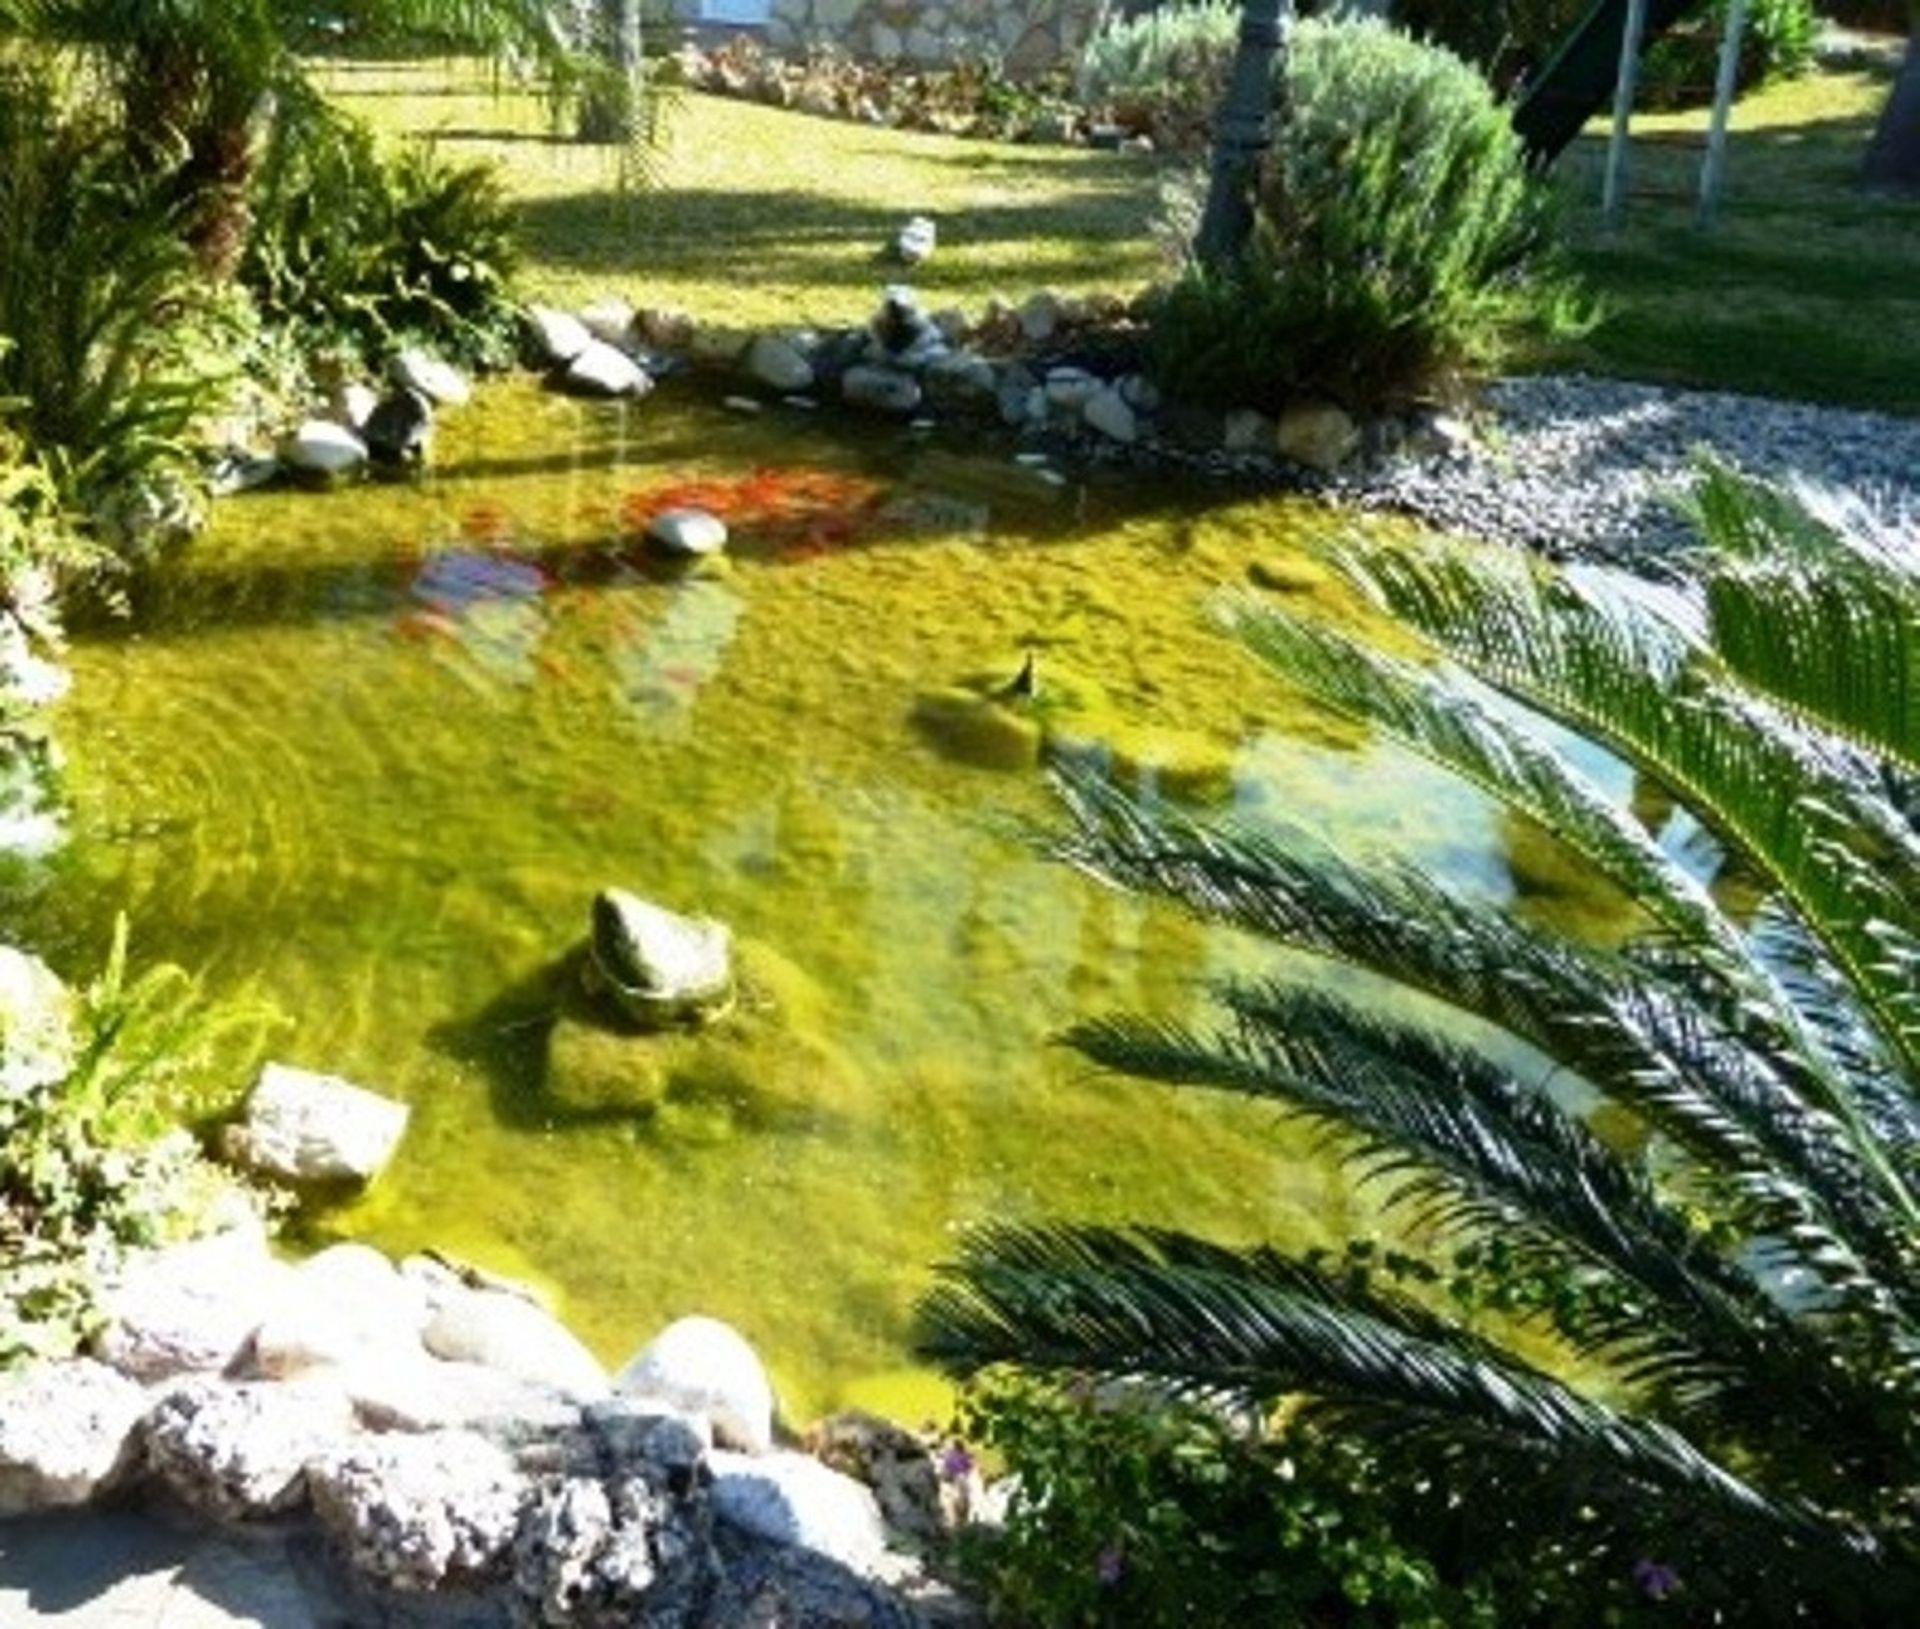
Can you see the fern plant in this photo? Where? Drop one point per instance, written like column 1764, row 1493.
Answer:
column 1742, row 1279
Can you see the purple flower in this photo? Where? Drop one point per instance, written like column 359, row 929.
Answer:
column 1108, row 1565
column 1655, row 1579
column 956, row 1464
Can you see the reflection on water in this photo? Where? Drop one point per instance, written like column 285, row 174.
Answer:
column 372, row 752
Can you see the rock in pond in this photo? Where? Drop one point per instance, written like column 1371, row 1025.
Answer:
column 398, row 430
column 440, row 382
column 776, row 362
column 558, row 336
column 687, row 532
column 603, row 370
column 322, row 448
column 915, row 241
column 514, row 1336
column 307, row 1127
column 880, row 389
column 704, row 1367
column 660, row 968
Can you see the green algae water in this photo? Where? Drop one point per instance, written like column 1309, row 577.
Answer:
column 370, row 753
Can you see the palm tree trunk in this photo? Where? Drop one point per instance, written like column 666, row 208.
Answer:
column 1248, row 114
column 1893, row 157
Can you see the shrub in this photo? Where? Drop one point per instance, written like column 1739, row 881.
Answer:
column 1130, row 1509
column 1513, row 39
column 357, row 248
column 91, row 1091
column 1399, row 236
column 1163, row 71
column 95, row 291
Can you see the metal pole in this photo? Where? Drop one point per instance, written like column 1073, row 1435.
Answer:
column 1713, row 171
column 1613, row 198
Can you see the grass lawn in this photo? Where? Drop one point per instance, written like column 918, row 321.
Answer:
column 1807, row 288
column 763, row 216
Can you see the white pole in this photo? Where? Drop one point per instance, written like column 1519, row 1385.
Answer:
column 1614, row 197
column 1713, row 171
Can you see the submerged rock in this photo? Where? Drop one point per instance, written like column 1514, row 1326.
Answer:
column 660, row 968
column 307, row 1127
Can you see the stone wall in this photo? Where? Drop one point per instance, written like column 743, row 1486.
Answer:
column 1024, row 36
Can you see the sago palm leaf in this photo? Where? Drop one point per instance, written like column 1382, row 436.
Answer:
column 1251, row 1326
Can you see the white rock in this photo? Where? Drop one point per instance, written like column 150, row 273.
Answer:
column 880, row 389
column 410, row 1511
column 915, row 241
column 66, row 1429
column 191, row 1307
column 660, row 967
column 440, row 382
column 705, row 1367
column 1316, row 435
column 560, row 335
column 240, row 1451
column 418, row 1392
column 776, row 362
column 1108, row 412
column 37, row 1041
column 1140, row 393
column 605, row 370
column 611, row 320
column 353, row 403
column 520, row 1339
column 1040, row 316
column 791, row 1498
column 1070, row 389
column 347, row 1307
column 961, row 377
column 307, row 1127
column 687, row 531
column 322, row 447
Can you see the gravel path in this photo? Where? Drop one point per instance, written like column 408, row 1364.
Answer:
column 1577, row 466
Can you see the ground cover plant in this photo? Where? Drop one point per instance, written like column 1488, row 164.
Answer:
column 1731, row 1248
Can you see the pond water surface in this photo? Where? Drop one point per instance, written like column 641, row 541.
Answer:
column 370, row 753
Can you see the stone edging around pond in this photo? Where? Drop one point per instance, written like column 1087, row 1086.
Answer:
column 457, row 1448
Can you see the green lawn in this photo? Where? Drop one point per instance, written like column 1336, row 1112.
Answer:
column 1807, row 288
column 764, row 216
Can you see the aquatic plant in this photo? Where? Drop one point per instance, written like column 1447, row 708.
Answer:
column 1732, row 1249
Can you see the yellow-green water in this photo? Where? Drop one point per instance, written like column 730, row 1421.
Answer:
column 371, row 752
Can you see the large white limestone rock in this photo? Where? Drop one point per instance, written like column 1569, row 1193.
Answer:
column 191, row 1307
column 66, row 1429
column 513, row 1335
column 305, row 1127
column 792, row 1498
column 704, row 1367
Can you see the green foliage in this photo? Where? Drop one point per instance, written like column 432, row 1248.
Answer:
column 96, row 292
column 356, row 247
column 95, row 1163
column 1163, row 70
column 1130, row 1509
column 1513, row 39
column 1399, row 238
column 1729, row 1242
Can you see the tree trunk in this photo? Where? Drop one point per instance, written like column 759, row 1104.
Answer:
column 1893, row 157
column 1248, row 114
column 610, row 111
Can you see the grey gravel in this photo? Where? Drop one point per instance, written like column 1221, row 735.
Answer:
column 1583, row 467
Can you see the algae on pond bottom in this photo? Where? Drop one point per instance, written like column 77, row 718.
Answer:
column 372, row 753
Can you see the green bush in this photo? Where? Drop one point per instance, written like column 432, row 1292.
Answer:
column 358, row 248
column 92, row 1090
column 1163, row 71
column 1399, row 237
column 1513, row 39
column 96, row 294
column 1129, row 1509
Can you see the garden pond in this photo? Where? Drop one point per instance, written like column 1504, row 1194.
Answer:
column 368, row 754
